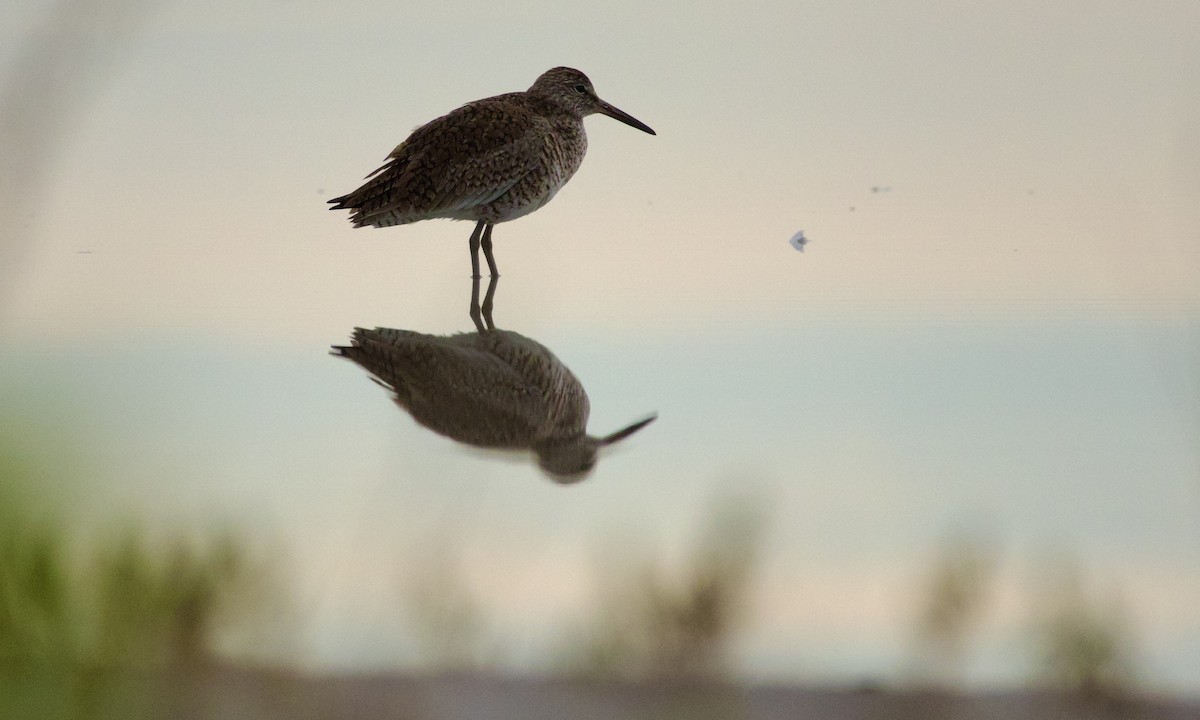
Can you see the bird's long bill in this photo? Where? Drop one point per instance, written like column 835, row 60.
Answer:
column 626, row 432
column 624, row 117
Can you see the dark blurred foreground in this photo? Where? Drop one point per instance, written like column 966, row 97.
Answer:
column 228, row 693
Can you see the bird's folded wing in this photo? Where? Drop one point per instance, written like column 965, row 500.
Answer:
column 465, row 159
column 449, row 383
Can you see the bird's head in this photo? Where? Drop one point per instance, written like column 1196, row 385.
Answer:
column 571, row 90
column 570, row 460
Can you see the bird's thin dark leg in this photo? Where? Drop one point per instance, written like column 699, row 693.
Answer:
column 475, row 248
column 487, row 249
column 474, row 311
column 487, row 301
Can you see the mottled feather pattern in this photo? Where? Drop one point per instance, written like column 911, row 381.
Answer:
column 566, row 403
column 490, row 161
column 496, row 389
column 487, row 160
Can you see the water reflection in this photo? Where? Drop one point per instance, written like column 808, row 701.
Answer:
column 489, row 389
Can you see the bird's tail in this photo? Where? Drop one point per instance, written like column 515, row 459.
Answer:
column 368, row 191
column 377, row 352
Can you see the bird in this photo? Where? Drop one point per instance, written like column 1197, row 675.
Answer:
column 489, row 388
column 490, row 161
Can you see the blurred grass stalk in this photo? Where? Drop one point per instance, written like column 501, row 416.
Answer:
column 653, row 624
column 1082, row 645
column 1086, row 644
column 953, row 609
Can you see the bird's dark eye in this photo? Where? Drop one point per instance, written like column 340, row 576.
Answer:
column 580, row 89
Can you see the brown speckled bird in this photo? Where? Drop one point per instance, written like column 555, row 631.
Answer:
column 491, row 160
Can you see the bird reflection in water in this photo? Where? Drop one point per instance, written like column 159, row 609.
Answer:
column 489, row 388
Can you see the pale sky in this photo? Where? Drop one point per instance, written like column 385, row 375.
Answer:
column 1032, row 151
column 1001, row 280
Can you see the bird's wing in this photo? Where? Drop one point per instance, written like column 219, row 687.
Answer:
column 566, row 403
column 465, row 159
column 450, row 386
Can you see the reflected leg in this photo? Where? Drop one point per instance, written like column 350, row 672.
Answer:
column 487, row 302
column 487, row 250
column 474, row 310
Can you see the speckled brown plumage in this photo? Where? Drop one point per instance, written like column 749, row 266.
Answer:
column 491, row 161
column 495, row 389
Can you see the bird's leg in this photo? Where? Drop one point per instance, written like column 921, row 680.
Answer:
column 475, row 249
column 487, row 301
column 474, row 311
column 487, row 249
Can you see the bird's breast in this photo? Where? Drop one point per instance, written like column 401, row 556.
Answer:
column 559, row 156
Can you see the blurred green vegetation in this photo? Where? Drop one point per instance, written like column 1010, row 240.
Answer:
column 160, row 604
column 37, row 620
column 446, row 618
column 1085, row 643
column 79, row 614
column 958, row 587
column 656, row 624
column 130, row 600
